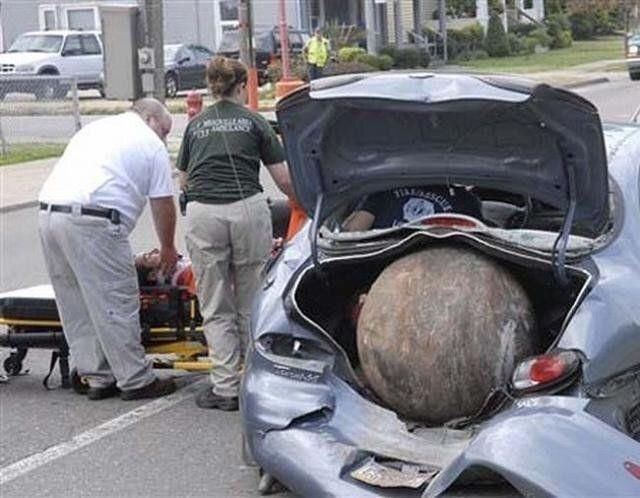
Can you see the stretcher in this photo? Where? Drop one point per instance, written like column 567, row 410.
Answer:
column 170, row 322
column 169, row 317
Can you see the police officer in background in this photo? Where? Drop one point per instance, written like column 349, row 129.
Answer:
column 88, row 206
column 316, row 52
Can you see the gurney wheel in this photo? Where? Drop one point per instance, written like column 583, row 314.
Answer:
column 12, row 365
column 78, row 384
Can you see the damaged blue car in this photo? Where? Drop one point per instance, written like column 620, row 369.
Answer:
column 452, row 346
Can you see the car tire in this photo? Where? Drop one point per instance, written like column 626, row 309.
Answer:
column 171, row 85
column 47, row 90
column 635, row 76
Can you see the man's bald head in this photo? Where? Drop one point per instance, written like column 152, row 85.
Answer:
column 155, row 114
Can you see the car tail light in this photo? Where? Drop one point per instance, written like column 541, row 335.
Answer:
column 633, row 51
column 552, row 371
column 451, row 221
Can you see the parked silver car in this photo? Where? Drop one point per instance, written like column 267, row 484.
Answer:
column 560, row 196
column 36, row 59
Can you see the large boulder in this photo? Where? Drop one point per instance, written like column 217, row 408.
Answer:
column 439, row 329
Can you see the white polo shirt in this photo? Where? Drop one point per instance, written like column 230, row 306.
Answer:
column 115, row 162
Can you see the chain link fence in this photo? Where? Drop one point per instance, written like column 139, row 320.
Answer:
column 37, row 112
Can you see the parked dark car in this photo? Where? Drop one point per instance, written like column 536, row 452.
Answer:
column 633, row 57
column 266, row 45
column 560, row 214
column 185, row 67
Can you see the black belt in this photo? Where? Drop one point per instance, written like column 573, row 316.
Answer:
column 112, row 215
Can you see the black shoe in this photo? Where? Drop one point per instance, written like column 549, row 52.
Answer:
column 210, row 400
column 158, row 388
column 96, row 393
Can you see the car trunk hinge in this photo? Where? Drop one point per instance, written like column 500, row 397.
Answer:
column 315, row 226
column 559, row 252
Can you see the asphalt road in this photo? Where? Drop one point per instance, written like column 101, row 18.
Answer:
column 49, row 444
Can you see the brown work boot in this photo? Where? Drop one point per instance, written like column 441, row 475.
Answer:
column 158, row 388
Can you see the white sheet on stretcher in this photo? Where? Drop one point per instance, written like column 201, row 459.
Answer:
column 35, row 292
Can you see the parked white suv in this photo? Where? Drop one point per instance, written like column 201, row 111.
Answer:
column 70, row 54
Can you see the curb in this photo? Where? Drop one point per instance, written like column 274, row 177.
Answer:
column 582, row 84
column 18, row 206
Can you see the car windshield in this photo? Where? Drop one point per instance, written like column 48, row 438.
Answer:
column 170, row 52
column 37, row 43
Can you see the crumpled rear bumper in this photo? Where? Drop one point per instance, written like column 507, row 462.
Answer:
column 542, row 446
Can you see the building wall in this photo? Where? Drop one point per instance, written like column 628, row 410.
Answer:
column 265, row 12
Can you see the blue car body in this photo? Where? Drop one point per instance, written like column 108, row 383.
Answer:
column 307, row 420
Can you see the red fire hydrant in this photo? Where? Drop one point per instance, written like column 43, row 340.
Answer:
column 194, row 104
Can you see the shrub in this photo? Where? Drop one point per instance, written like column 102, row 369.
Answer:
column 582, row 26
column 350, row 54
column 406, row 58
column 523, row 29
column 517, row 44
column 335, row 68
column 558, row 28
column 603, row 24
column 541, row 37
column 380, row 62
column 496, row 41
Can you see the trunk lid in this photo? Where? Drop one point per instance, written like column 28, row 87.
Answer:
column 352, row 135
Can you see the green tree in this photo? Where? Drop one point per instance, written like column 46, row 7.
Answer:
column 496, row 41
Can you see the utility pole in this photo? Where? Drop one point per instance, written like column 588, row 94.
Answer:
column 153, row 38
column 284, row 40
column 370, row 22
column 1, row 32
column 442, row 15
column 246, row 50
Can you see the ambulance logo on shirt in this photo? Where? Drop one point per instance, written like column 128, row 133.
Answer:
column 222, row 125
column 416, row 208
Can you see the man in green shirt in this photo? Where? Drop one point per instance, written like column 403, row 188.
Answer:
column 228, row 223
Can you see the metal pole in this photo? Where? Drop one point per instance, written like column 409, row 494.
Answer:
column 284, row 41
column 3, row 142
column 76, row 103
column 370, row 24
column 442, row 15
column 246, row 51
column 152, row 19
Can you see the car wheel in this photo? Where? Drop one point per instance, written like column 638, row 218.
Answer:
column 103, row 94
column 634, row 76
column 171, row 85
column 47, row 90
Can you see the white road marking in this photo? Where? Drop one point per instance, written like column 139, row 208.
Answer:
column 30, row 463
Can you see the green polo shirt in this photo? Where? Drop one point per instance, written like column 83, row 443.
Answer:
column 221, row 152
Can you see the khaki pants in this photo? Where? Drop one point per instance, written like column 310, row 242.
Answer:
column 91, row 268
column 228, row 245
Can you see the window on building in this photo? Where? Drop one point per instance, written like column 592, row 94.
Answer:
column 81, row 19
column 49, row 19
column 528, row 4
column 229, row 10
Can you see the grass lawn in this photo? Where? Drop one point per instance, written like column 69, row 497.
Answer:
column 29, row 152
column 581, row 52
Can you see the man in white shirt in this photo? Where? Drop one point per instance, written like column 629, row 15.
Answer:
column 88, row 206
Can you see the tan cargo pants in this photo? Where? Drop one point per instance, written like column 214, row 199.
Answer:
column 228, row 245
column 91, row 268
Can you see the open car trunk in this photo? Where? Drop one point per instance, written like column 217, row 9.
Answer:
column 327, row 295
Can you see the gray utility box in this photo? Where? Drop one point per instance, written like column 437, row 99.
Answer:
column 120, row 38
